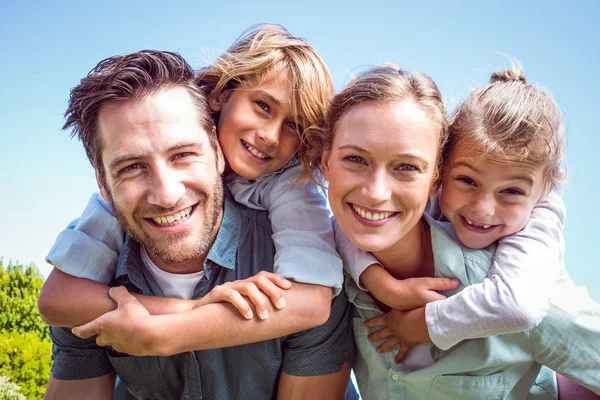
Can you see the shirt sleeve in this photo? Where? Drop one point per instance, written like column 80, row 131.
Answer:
column 302, row 231
column 515, row 295
column 89, row 246
column 324, row 349
column 76, row 358
column 568, row 338
column 355, row 260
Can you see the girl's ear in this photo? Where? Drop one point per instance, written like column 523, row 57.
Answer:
column 216, row 101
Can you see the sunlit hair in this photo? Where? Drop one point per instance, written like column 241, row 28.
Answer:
column 513, row 122
column 129, row 77
column 379, row 85
column 267, row 50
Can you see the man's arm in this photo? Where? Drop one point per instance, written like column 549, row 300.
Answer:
column 131, row 329
column 100, row 388
column 325, row 387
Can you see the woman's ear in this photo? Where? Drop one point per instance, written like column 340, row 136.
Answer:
column 325, row 164
column 437, row 184
column 216, row 101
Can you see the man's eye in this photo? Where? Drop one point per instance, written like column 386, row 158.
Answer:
column 182, row 155
column 264, row 106
column 130, row 168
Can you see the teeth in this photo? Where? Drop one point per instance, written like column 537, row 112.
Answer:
column 477, row 225
column 371, row 216
column 256, row 152
column 173, row 219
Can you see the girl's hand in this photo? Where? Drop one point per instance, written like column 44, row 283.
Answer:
column 256, row 290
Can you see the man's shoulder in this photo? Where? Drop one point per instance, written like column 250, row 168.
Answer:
column 247, row 216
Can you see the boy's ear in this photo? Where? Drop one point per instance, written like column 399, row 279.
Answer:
column 325, row 164
column 216, row 101
column 102, row 188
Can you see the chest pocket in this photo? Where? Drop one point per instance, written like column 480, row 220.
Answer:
column 141, row 375
column 469, row 387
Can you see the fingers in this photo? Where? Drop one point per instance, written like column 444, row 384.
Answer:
column 88, row 330
column 232, row 296
column 388, row 345
column 120, row 295
column 271, row 285
column 380, row 334
column 373, row 322
column 404, row 348
column 441, row 283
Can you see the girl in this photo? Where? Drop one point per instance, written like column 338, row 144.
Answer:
column 380, row 154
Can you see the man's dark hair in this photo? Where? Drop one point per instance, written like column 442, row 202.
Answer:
column 129, row 77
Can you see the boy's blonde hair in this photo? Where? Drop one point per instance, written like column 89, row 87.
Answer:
column 267, row 50
column 379, row 85
column 513, row 122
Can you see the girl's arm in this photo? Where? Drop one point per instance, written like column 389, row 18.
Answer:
column 302, row 232
column 514, row 297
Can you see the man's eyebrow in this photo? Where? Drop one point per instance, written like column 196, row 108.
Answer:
column 397, row 155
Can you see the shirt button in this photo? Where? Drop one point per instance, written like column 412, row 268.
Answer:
column 395, row 377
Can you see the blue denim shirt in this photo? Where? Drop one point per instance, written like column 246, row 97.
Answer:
column 496, row 367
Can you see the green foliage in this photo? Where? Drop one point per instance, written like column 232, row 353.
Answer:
column 8, row 390
column 25, row 359
column 19, row 290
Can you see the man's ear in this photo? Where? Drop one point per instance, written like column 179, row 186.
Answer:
column 220, row 156
column 102, row 188
column 216, row 101
column 325, row 164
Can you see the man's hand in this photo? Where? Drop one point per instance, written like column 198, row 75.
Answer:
column 127, row 329
column 404, row 328
column 259, row 289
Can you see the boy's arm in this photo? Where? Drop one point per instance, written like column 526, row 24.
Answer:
column 89, row 247
column 100, row 388
column 515, row 295
column 302, row 232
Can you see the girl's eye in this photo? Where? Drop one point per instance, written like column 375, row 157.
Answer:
column 407, row 168
column 295, row 126
column 264, row 106
column 354, row 159
column 466, row 179
column 514, row 191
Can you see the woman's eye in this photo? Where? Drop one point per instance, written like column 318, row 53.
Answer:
column 354, row 159
column 466, row 179
column 407, row 168
column 264, row 106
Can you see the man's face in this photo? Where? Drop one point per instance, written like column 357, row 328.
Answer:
column 162, row 176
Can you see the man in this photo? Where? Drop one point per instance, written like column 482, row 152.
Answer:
column 148, row 133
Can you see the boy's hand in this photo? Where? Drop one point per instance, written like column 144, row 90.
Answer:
column 256, row 290
column 404, row 294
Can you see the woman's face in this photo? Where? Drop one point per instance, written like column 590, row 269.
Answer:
column 380, row 170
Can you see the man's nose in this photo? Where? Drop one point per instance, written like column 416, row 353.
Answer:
column 167, row 188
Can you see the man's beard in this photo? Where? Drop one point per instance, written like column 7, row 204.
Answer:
column 167, row 250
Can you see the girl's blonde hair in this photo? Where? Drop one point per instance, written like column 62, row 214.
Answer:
column 386, row 84
column 267, row 50
column 513, row 122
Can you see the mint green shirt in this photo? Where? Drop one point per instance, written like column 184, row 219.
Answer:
column 496, row 367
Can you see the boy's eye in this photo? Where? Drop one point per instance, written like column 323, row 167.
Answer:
column 514, row 191
column 264, row 106
column 407, row 168
column 466, row 179
column 354, row 159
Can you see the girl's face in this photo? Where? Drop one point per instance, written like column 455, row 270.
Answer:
column 484, row 199
column 257, row 128
column 380, row 170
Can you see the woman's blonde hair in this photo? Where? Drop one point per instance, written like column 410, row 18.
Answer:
column 267, row 50
column 513, row 122
column 385, row 84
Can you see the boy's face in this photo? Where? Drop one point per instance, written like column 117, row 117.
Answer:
column 486, row 199
column 257, row 128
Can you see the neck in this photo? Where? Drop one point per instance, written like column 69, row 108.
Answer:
column 411, row 256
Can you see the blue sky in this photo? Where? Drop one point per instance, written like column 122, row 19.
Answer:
column 47, row 47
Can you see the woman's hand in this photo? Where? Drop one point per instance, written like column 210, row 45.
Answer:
column 404, row 328
column 257, row 290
